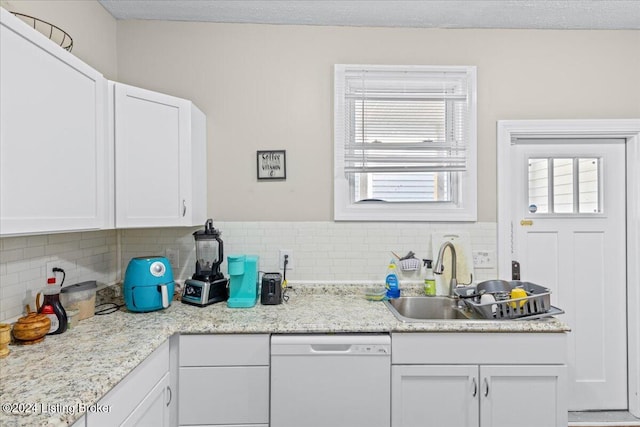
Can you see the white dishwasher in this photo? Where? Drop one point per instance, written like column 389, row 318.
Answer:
column 330, row 380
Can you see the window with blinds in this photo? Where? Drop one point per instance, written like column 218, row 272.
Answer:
column 405, row 136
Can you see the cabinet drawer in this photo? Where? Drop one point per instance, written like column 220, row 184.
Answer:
column 224, row 350
column 125, row 396
column 224, row 395
column 478, row 348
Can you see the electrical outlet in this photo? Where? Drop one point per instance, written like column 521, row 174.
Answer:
column 289, row 254
column 484, row 259
column 173, row 255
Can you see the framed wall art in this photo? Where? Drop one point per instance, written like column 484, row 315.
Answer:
column 272, row 164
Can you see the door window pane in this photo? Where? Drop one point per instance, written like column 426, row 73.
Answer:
column 588, row 186
column 539, row 185
column 562, row 185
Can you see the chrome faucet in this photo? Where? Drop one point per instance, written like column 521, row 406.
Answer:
column 439, row 267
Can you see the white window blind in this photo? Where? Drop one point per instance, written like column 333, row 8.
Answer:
column 405, row 142
column 406, row 121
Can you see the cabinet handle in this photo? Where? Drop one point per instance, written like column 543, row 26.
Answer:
column 184, row 207
column 170, row 395
column 475, row 387
column 486, row 387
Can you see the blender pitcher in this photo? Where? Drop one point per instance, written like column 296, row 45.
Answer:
column 209, row 253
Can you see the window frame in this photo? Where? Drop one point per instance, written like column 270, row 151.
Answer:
column 463, row 208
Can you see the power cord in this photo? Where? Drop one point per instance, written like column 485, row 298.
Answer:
column 59, row 270
column 111, row 308
column 285, row 286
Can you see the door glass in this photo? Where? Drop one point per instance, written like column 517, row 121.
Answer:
column 588, row 186
column 562, row 185
column 539, row 185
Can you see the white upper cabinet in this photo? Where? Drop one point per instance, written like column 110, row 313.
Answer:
column 54, row 160
column 160, row 159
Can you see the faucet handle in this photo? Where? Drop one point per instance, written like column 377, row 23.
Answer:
column 470, row 281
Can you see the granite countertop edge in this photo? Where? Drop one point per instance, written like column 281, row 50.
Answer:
column 44, row 384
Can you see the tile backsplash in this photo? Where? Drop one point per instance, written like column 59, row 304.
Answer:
column 24, row 262
column 321, row 252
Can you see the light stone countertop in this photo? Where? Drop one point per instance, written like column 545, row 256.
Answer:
column 45, row 383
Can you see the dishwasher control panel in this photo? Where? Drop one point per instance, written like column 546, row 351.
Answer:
column 370, row 349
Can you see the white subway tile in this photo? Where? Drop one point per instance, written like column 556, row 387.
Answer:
column 54, row 239
column 34, row 252
column 11, row 255
column 14, row 243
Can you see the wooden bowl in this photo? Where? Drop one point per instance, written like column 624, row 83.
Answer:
column 31, row 328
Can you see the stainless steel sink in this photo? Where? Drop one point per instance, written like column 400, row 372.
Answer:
column 417, row 309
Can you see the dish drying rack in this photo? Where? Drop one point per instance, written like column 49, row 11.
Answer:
column 536, row 305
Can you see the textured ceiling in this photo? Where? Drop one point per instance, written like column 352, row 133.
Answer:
column 538, row 14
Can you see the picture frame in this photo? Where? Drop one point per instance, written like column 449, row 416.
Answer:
column 271, row 164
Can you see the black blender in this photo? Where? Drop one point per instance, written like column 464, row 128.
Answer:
column 208, row 285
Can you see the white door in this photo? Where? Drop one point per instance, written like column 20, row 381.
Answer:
column 568, row 223
column 435, row 395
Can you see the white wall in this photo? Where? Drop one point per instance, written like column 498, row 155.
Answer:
column 92, row 28
column 271, row 87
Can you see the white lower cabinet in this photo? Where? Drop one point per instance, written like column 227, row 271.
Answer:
column 522, row 395
column 224, row 380
column 80, row 422
column 472, row 396
column 434, row 395
column 142, row 398
column 154, row 408
column 435, row 381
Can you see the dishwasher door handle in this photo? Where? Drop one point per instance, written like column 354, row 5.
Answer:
column 330, row 348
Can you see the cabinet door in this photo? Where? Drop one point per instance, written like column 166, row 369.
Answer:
column 154, row 159
column 53, row 150
column 124, row 399
column 224, row 395
column 523, row 395
column 154, row 408
column 434, row 396
column 80, row 422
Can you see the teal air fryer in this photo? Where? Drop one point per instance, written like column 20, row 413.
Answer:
column 148, row 284
column 243, row 281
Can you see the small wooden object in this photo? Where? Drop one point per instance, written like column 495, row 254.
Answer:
column 32, row 328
